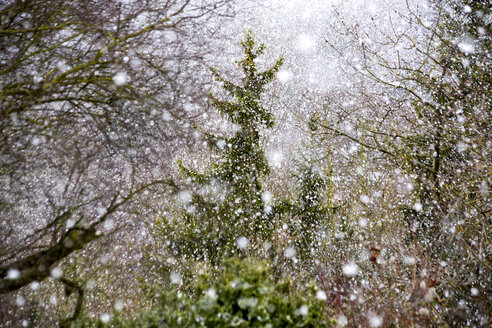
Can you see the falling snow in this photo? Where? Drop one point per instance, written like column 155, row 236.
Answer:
column 349, row 155
column 56, row 273
column 13, row 274
column 242, row 243
column 375, row 320
column 121, row 78
column 321, row 295
column 350, row 269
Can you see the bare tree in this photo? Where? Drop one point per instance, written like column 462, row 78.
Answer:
column 95, row 98
column 422, row 104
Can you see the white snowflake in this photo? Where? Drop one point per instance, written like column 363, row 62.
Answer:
column 303, row 310
column 242, row 243
column 284, row 75
column 321, row 295
column 350, row 269
column 175, row 277
column 105, row 317
column 119, row 305
column 267, row 197
column 13, row 274
column 121, row 78
column 467, row 47
column 56, row 273
column 342, row 320
column 418, row 207
column 20, row 301
column 184, row 197
column 290, row 252
column 375, row 320
column 211, row 293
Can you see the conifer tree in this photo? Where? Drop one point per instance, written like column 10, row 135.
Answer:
column 225, row 205
column 310, row 212
column 307, row 215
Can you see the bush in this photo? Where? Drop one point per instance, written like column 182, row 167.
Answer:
column 244, row 294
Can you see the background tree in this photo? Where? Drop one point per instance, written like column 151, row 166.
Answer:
column 311, row 216
column 307, row 217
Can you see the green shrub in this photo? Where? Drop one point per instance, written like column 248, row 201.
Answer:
column 243, row 294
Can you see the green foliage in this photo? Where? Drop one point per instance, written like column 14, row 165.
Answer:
column 309, row 215
column 310, row 210
column 244, row 294
column 246, row 109
column 227, row 203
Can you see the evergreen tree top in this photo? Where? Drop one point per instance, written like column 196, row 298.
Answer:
column 246, row 109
